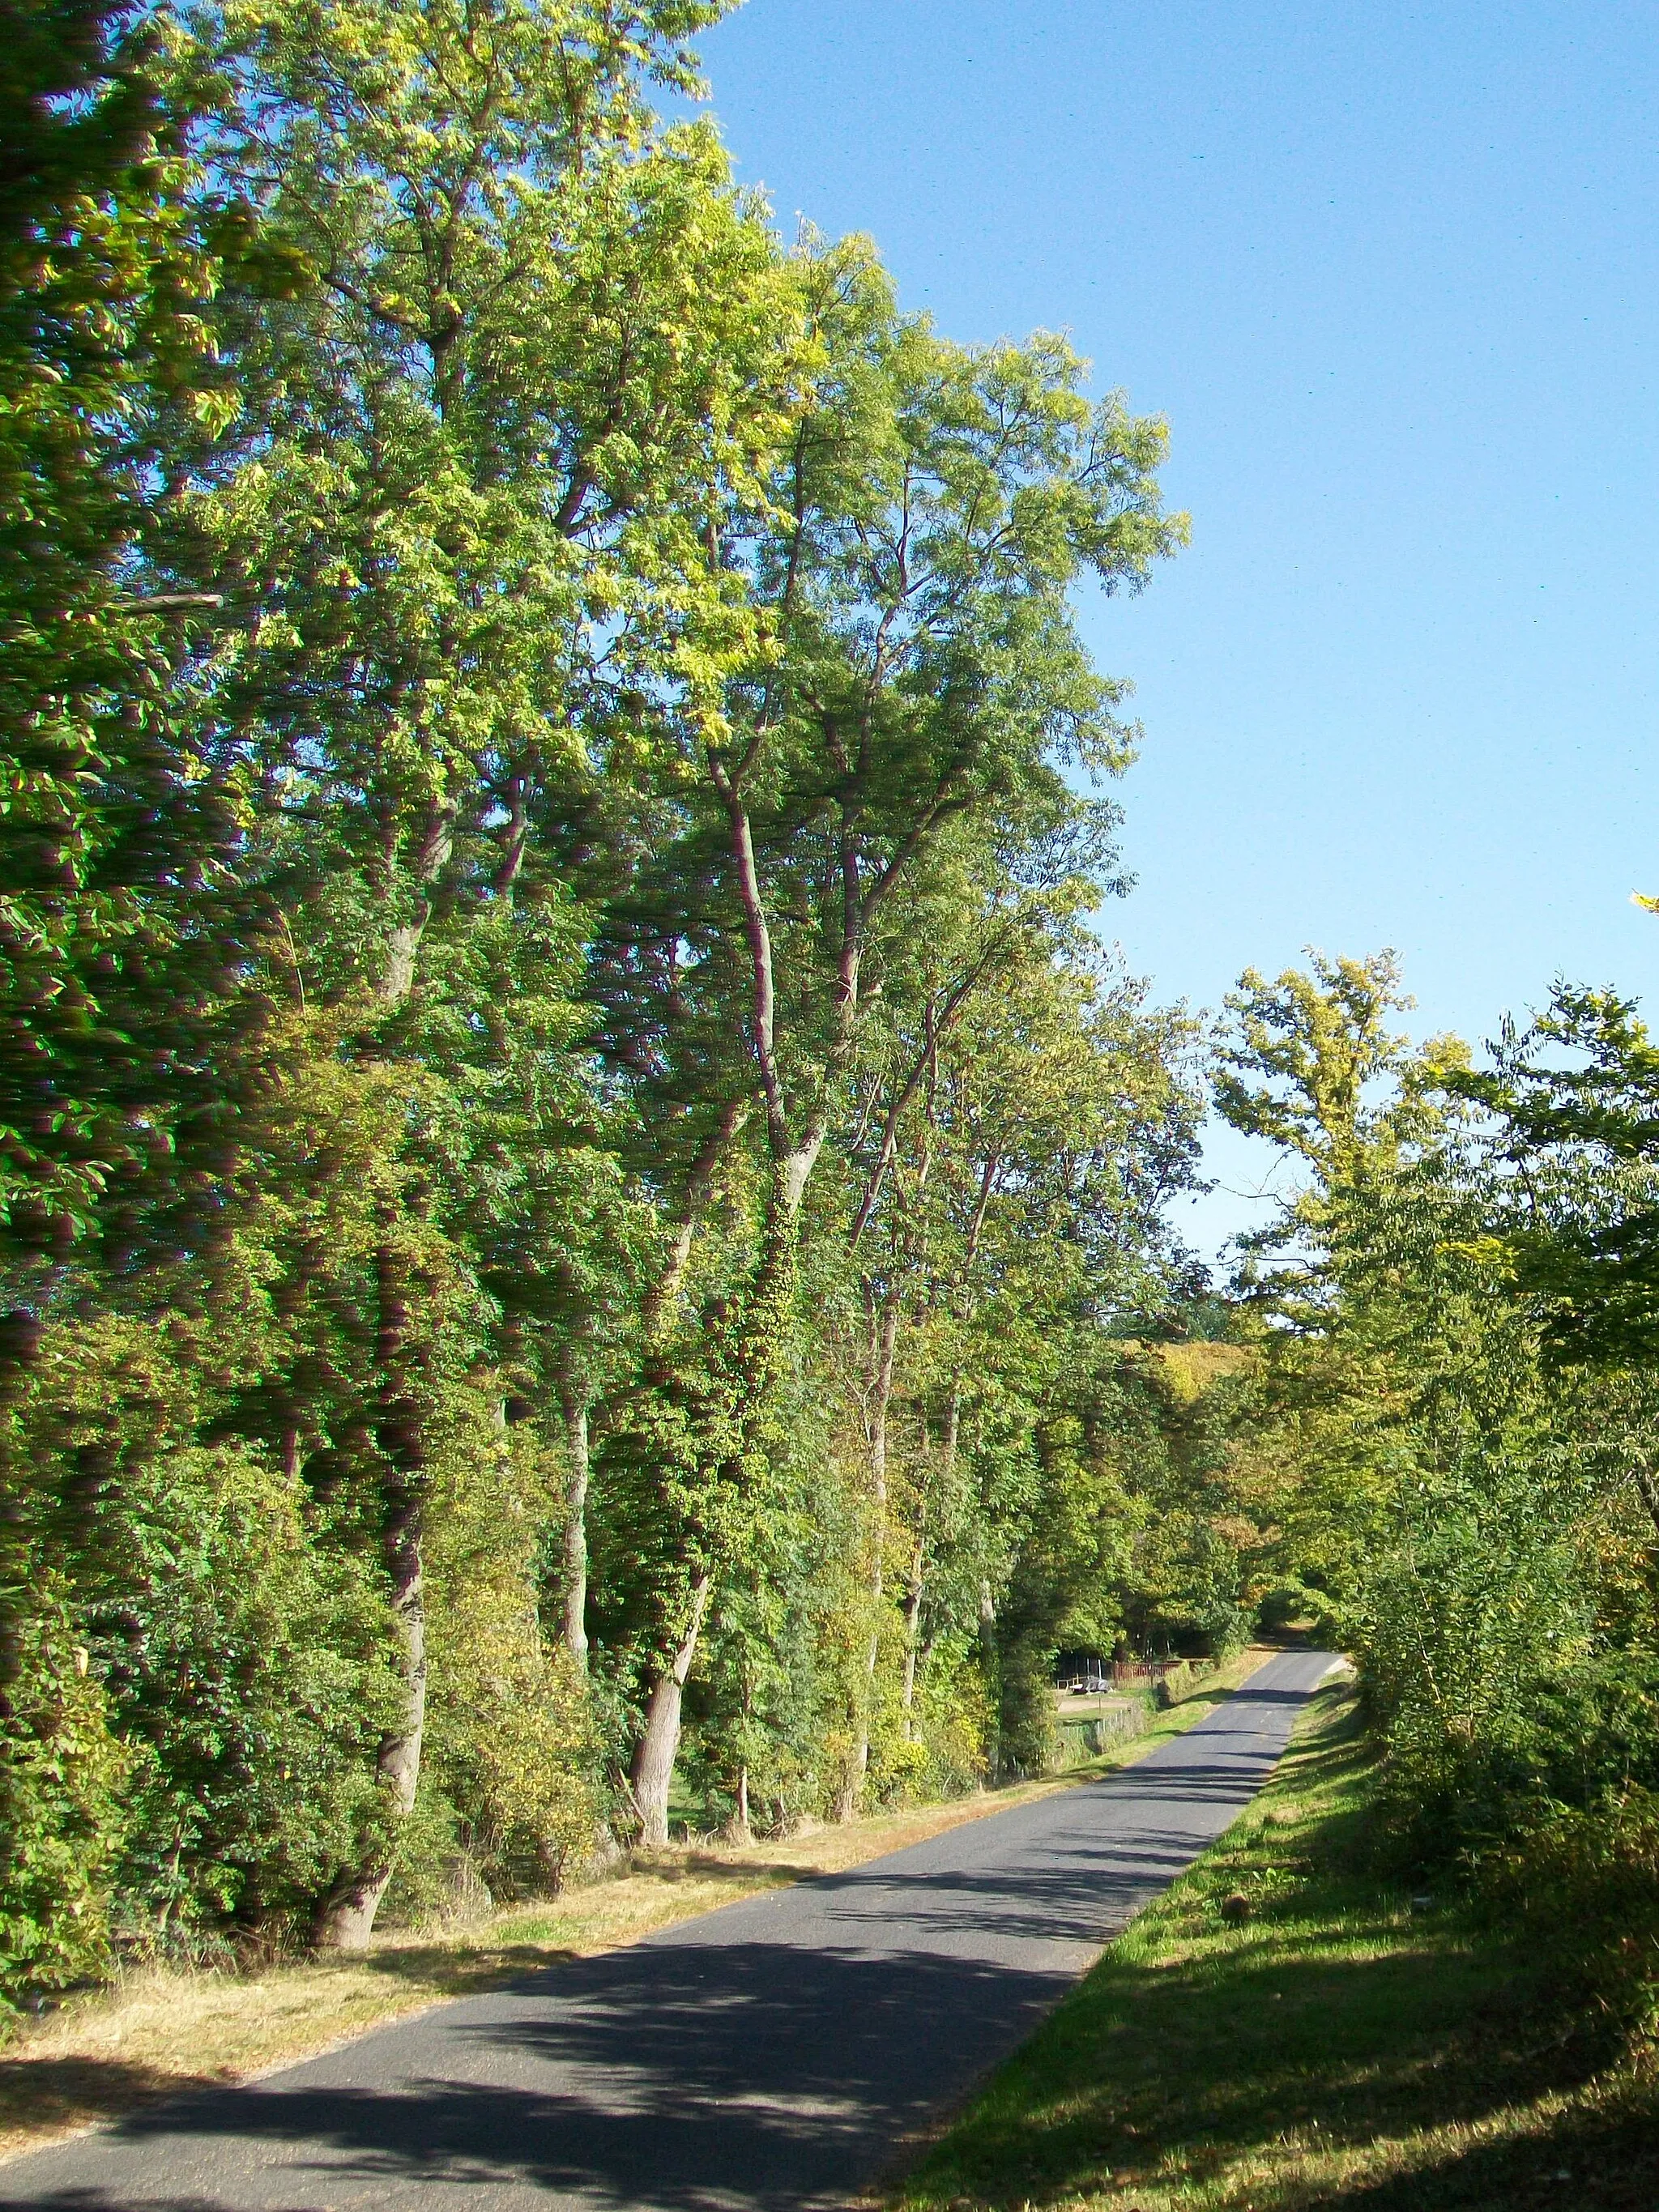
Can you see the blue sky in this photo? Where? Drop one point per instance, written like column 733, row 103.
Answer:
column 1393, row 274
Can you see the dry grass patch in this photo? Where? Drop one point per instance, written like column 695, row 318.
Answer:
column 158, row 2032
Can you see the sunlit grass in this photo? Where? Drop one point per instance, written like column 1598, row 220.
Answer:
column 1331, row 2045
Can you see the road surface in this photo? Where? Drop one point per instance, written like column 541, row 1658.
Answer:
column 772, row 2056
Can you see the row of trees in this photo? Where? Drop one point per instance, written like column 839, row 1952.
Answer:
column 1454, row 1412
column 579, row 1200
column 581, row 1208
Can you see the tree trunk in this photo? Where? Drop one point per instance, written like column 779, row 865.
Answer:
column 757, row 1352
column 1648, row 1483
column 988, row 1646
column 20, row 1341
column 403, row 943
column 737, row 1830
column 660, row 1739
column 913, row 1595
column 347, row 1919
column 702, row 1183
column 575, row 1531
column 884, row 1339
column 912, row 1623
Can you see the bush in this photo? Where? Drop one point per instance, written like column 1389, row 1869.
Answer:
column 953, row 1721
column 1476, row 1648
column 512, row 1759
column 249, row 1671
column 61, row 1808
column 1583, row 1887
column 1029, row 1737
column 1174, row 1682
column 240, row 1640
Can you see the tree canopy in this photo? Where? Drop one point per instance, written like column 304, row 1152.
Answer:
column 584, row 1202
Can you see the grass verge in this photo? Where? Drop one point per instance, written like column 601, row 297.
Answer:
column 157, row 2033
column 1335, row 2047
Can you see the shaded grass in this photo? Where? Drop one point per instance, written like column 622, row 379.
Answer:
column 158, row 2032
column 1334, row 2046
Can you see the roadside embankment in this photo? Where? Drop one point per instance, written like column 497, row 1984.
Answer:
column 1285, row 2030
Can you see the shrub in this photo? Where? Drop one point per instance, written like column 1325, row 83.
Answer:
column 1584, row 1887
column 248, row 1670
column 513, row 1757
column 61, row 1808
column 1029, row 1740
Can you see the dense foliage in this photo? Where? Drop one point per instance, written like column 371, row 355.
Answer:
column 582, row 1211
column 1457, row 1410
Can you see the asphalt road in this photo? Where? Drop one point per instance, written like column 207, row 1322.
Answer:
column 771, row 2056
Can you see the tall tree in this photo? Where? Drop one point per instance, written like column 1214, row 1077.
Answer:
column 466, row 517
column 927, row 521
column 108, row 831
column 1578, row 1226
column 111, row 960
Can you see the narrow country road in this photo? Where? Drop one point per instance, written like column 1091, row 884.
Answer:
column 775, row 2054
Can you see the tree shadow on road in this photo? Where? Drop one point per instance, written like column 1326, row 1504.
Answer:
column 1335, row 2050
column 726, row 2063
column 675, row 2077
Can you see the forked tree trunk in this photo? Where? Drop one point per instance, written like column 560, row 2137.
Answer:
column 660, row 1739
column 737, row 1830
column 403, row 949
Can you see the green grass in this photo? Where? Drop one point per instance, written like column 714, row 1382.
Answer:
column 1335, row 2047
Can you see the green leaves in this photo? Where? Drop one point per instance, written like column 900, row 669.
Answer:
column 104, row 278
column 1574, row 1225
column 485, row 450
column 551, row 767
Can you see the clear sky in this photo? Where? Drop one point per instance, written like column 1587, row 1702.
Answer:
column 1393, row 275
